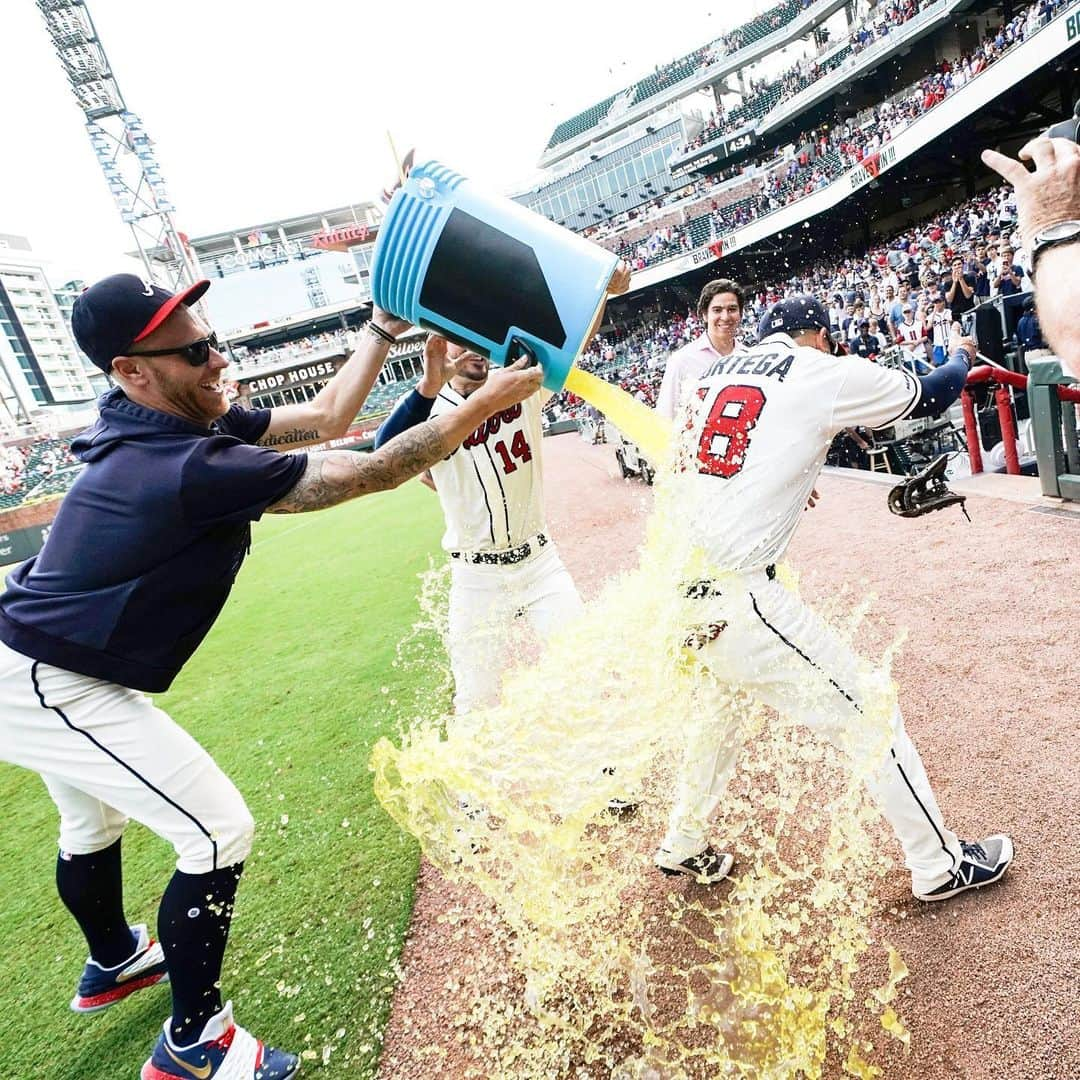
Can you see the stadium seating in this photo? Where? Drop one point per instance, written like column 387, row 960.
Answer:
column 753, row 108
column 668, row 76
column 766, row 23
column 36, row 470
column 660, row 80
column 891, row 116
column 573, row 127
column 383, row 397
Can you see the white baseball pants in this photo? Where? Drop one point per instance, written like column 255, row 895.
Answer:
column 484, row 601
column 776, row 648
column 107, row 754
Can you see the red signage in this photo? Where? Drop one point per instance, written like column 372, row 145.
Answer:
column 339, row 239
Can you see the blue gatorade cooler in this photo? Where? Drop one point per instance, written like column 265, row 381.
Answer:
column 487, row 273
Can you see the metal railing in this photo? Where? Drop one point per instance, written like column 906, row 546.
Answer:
column 1053, row 416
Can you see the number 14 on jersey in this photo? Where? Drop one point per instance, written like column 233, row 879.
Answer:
column 519, row 449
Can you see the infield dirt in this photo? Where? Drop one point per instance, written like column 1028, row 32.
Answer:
column 988, row 695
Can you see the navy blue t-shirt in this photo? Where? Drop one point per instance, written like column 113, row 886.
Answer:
column 144, row 550
column 1007, row 287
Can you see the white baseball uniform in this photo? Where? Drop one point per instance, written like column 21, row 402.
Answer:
column 757, row 432
column 502, row 564
column 684, row 367
column 107, row 754
column 940, row 328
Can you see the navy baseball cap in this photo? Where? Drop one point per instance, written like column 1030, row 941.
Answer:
column 802, row 312
column 113, row 314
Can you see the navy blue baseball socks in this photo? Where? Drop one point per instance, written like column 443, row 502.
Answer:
column 224, row 1050
column 101, row 987
column 982, row 863
column 706, row 867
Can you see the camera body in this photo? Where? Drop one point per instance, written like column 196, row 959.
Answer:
column 1067, row 129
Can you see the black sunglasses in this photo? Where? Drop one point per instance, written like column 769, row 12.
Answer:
column 196, row 353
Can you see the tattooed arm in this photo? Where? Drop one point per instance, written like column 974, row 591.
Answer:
column 329, row 414
column 333, row 476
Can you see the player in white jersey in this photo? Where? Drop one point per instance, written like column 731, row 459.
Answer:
column 941, row 321
column 911, row 335
column 502, row 562
column 755, row 438
column 721, row 306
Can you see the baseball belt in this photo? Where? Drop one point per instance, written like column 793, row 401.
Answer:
column 502, row 558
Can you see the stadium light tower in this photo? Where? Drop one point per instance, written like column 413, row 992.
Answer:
column 123, row 149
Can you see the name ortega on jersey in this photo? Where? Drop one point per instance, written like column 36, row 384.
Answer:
column 491, row 426
column 776, row 362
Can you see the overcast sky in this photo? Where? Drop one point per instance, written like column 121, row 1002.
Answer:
column 261, row 111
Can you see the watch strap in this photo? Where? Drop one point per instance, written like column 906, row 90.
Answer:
column 1042, row 241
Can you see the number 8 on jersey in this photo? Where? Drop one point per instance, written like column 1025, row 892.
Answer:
column 725, row 435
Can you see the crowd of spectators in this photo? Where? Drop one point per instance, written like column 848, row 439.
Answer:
column 266, row 356
column 767, row 93
column 901, row 295
column 818, row 157
column 766, row 23
column 328, row 342
column 26, row 466
column 742, row 36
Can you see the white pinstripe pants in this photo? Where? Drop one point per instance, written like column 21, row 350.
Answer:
column 484, row 601
column 787, row 658
column 107, row 754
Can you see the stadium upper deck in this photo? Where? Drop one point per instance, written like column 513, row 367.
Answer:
column 648, row 144
column 903, row 123
column 709, row 63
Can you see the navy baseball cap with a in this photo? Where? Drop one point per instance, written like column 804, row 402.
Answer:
column 116, row 312
column 796, row 313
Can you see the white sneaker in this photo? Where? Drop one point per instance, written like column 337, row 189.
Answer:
column 706, row 867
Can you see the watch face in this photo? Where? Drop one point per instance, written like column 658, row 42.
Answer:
column 1060, row 231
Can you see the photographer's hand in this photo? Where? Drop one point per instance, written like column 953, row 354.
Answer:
column 1048, row 195
column 1045, row 197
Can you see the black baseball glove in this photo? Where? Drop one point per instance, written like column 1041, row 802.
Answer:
column 924, row 492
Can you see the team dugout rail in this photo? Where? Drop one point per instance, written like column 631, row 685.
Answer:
column 1053, row 415
column 1001, row 379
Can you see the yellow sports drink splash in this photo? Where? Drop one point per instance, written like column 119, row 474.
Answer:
column 587, row 965
column 585, row 961
column 636, row 421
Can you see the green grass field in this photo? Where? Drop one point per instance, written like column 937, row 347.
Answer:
column 287, row 694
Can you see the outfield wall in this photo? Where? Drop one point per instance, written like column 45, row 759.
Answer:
column 19, row 544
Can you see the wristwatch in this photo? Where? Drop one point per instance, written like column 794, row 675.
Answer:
column 1063, row 232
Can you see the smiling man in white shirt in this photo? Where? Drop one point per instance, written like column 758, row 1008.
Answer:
column 721, row 306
